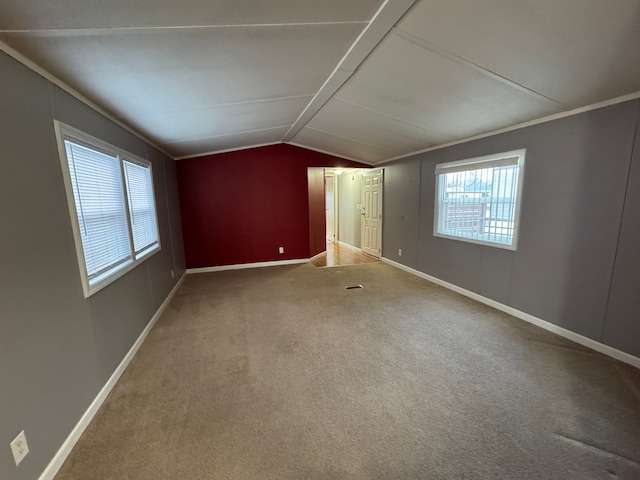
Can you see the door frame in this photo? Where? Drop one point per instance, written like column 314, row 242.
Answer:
column 380, row 207
column 330, row 176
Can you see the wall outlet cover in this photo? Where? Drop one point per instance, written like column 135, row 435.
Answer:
column 280, row 249
column 19, row 447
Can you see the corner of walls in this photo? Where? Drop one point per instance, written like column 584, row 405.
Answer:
column 50, row 327
column 401, row 212
column 575, row 184
column 550, row 327
column 621, row 328
column 67, row 446
column 240, row 207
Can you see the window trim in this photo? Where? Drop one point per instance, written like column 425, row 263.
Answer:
column 473, row 162
column 65, row 132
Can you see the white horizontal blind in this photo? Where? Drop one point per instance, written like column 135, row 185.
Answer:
column 100, row 207
column 478, row 199
column 141, row 206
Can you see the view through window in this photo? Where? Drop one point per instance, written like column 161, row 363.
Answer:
column 478, row 199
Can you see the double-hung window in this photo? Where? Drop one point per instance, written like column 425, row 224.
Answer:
column 112, row 207
column 478, row 199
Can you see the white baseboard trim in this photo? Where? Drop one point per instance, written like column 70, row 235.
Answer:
column 563, row 332
column 315, row 257
column 241, row 266
column 351, row 247
column 63, row 452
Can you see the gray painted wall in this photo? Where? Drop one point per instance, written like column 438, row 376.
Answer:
column 579, row 171
column 57, row 349
column 349, row 191
column 622, row 325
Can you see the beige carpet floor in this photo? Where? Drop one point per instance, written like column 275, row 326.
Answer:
column 280, row 373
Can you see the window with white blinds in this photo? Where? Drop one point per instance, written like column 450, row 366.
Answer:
column 478, row 199
column 112, row 207
column 141, row 206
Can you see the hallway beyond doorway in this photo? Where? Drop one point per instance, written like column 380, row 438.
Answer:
column 337, row 255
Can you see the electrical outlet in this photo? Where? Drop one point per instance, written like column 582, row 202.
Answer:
column 399, row 252
column 19, row 447
column 280, row 249
column 172, row 274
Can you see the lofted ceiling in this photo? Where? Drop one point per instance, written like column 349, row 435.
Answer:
column 368, row 80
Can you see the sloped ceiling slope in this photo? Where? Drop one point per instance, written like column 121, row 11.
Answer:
column 368, row 80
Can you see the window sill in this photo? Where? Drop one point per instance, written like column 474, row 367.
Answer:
column 114, row 274
column 486, row 243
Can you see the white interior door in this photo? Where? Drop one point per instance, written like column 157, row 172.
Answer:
column 371, row 242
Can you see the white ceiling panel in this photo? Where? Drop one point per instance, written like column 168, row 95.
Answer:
column 409, row 82
column 49, row 14
column 179, row 69
column 167, row 127
column 577, row 52
column 225, row 142
column 203, row 75
column 340, row 146
column 374, row 128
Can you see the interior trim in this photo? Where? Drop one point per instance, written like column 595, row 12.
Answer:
column 563, row 332
column 244, row 132
column 548, row 118
column 242, row 266
column 349, row 246
column 326, row 152
column 389, row 13
column 74, row 93
column 63, row 452
column 315, row 257
column 215, row 152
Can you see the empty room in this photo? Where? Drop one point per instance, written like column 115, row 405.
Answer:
column 296, row 239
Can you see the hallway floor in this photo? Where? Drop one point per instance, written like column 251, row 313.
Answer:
column 338, row 255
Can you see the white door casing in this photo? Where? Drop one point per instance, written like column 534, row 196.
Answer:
column 329, row 204
column 371, row 241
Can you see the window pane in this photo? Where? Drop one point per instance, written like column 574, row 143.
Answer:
column 478, row 201
column 99, row 200
column 141, row 206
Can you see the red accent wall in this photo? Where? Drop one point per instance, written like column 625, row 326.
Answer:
column 239, row 207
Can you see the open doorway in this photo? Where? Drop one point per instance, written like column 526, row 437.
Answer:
column 343, row 214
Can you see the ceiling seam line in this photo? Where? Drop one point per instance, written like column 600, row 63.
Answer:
column 220, row 105
column 529, row 123
column 227, row 150
column 51, row 78
column 398, row 10
column 226, row 135
column 90, row 30
column 348, row 138
column 326, row 152
column 411, row 38
column 357, row 105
